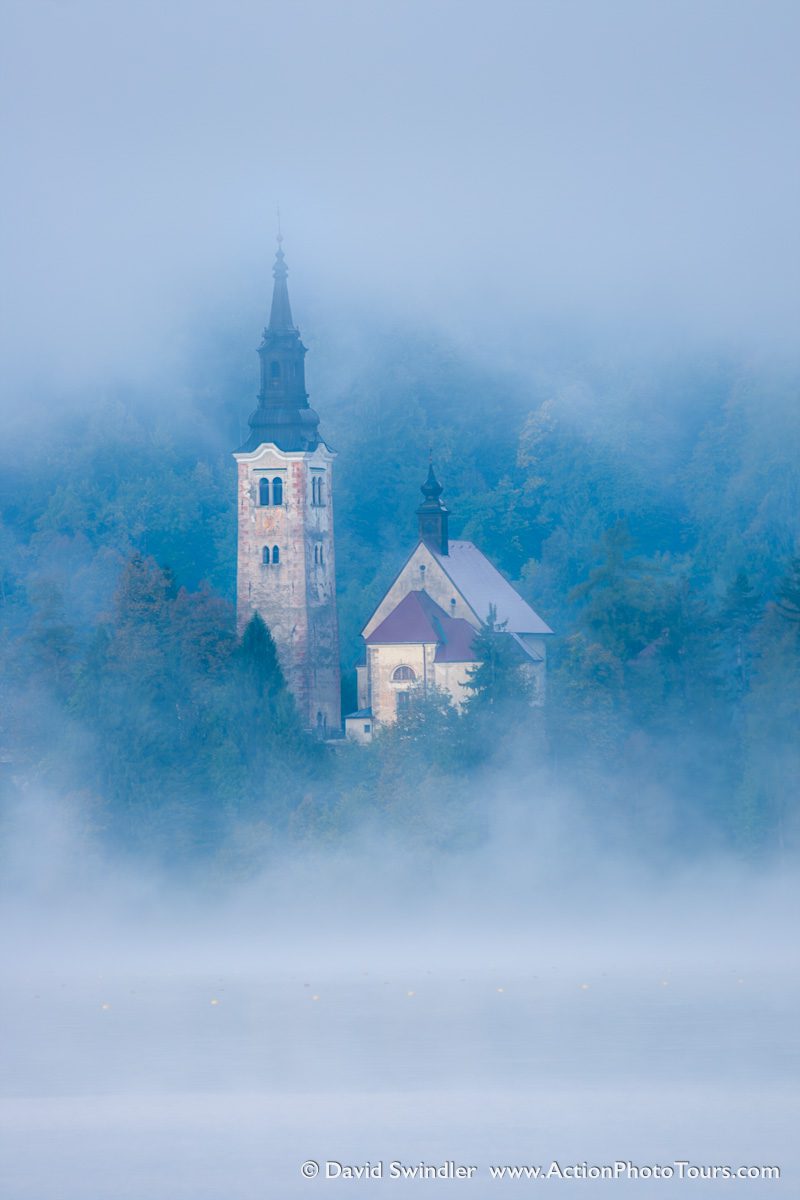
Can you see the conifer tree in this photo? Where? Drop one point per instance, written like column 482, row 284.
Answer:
column 788, row 602
column 258, row 658
column 740, row 613
column 270, row 732
column 495, row 681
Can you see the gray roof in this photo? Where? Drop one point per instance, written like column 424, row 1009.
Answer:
column 528, row 650
column 482, row 586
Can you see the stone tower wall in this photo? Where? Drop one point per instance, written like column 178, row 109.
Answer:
column 296, row 596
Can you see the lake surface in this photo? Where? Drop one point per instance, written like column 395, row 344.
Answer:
column 218, row 1085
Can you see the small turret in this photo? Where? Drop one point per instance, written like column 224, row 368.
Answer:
column 433, row 515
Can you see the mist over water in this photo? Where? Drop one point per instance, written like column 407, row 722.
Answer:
column 538, row 999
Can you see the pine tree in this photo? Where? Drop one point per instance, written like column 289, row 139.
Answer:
column 740, row 612
column 788, row 602
column 257, row 658
column 268, row 726
column 619, row 601
column 495, row 682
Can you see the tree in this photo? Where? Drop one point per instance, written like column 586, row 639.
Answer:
column 616, row 598
column 788, row 602
column 738, row 617
column 496, row 681
column 257, row 659
column 274, row 753
column 767, row 800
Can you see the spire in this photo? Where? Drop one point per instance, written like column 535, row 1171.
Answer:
column 432, row 514
column 283, row 415
column 280, row 317
column 431, row 488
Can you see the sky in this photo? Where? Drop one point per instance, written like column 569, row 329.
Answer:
column 489, row 170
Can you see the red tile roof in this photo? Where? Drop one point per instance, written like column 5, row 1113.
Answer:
column 419, row 619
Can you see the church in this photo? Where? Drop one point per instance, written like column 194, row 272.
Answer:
column 421, row 636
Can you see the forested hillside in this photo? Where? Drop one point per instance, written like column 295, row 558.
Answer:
column 650, row 511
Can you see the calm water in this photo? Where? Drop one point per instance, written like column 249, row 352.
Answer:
column 218, row 1087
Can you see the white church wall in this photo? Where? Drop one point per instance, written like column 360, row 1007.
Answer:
column 451, row 678
column 383, row 662
column 362, row 683
column 421, row 573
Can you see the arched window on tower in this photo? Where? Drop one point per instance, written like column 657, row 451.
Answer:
column 316, row 491
column 265, row 556
column 276, row 555
column 277, row 491
column 275, row 370
column 263, row 492
column 404, row 675
column 316, row 554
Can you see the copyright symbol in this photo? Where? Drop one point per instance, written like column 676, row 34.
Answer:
column 310, row 1169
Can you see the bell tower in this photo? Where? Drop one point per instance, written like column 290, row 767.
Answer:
column 285, row 561
column 432, row 515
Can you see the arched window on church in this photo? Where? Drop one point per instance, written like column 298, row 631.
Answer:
column 314, row 482
column 404, row 675
column 277, row 491
column 320, row 499
column 263, row 492
column 276, row 555
column 275, row 370
column 265, row 556
column 316, row 554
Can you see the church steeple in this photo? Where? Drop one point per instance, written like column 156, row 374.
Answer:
column 286, row 556
column 283, row 415
column 280, row 316
column 433, row 515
